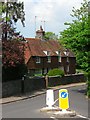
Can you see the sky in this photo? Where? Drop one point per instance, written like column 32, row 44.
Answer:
column 51, row 14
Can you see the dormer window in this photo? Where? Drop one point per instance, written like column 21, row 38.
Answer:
column 38, row 60
column 47, row 53
column 58, row 52
column 66, row 52
column 48, row 56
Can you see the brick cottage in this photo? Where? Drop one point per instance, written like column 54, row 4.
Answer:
column 42, row 55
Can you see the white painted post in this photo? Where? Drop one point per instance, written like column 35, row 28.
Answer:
column 49, row 98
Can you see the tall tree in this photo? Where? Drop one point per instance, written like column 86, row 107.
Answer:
column 12, row 45
column 76, row 36
column 11, row 12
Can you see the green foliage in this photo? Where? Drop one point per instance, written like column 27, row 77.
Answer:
column 11, row 13
column 76, row 36
column 50, row 36
column 56, row 72
column 14, row 11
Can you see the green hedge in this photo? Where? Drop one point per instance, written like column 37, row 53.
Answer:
column 56, row 72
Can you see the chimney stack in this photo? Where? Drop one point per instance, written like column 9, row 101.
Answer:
column 40, row 33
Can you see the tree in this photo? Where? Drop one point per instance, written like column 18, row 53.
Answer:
column 50, row 36
column 76, row 36
column 12, row 43
column 12, row 12
column 12, row 60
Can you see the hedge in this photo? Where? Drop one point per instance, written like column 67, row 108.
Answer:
column 56, row 72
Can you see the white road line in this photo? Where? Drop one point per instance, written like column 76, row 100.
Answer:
column 54, row 118
column 82, row 116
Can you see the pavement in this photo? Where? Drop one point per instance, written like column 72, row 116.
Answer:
column 34, row 93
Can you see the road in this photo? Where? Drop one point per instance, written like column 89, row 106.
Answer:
column 30, row 108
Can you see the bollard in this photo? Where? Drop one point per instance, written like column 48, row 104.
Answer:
column 63, row 100
column 49, row 98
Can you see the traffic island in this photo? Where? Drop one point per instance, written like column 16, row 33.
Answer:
column 58, row 113
column 49, row 109
column 62, row 111
column 65, row 114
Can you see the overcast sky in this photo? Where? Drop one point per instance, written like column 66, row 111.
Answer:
column 54, row 12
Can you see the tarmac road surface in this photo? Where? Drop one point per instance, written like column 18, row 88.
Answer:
column 30, row 108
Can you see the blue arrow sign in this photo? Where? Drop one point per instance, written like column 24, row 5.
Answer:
column 64, row 94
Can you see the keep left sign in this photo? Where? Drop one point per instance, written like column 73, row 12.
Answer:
column 63, row 99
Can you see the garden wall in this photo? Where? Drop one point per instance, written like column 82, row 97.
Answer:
column 11, row 88
column 67, row 79
column 17, row 87
column 35, row 83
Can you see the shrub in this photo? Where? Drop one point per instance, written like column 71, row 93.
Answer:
column 56, row 72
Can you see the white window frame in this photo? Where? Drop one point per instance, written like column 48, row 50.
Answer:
column 59, row 58
column 49, row 59
column 59, row 55
column 38, row 60
column 67, row 59
column 47, row 53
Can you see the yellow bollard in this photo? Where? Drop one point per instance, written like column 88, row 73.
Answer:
column 63, row 99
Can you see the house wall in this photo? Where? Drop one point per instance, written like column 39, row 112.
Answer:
column 32, row 65
column 71, row 64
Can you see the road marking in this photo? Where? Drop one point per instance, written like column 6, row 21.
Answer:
column 82, row 116
column 53, row 118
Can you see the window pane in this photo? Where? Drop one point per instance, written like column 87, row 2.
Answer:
column 38, row 60
column 59, row 58
column 67, row 59
column 49, row 59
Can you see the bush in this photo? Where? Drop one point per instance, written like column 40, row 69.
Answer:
column 56, row 72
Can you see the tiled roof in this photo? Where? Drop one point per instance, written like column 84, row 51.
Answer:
column 35, row 47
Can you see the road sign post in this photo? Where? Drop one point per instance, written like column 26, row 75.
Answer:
column 63, row 99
